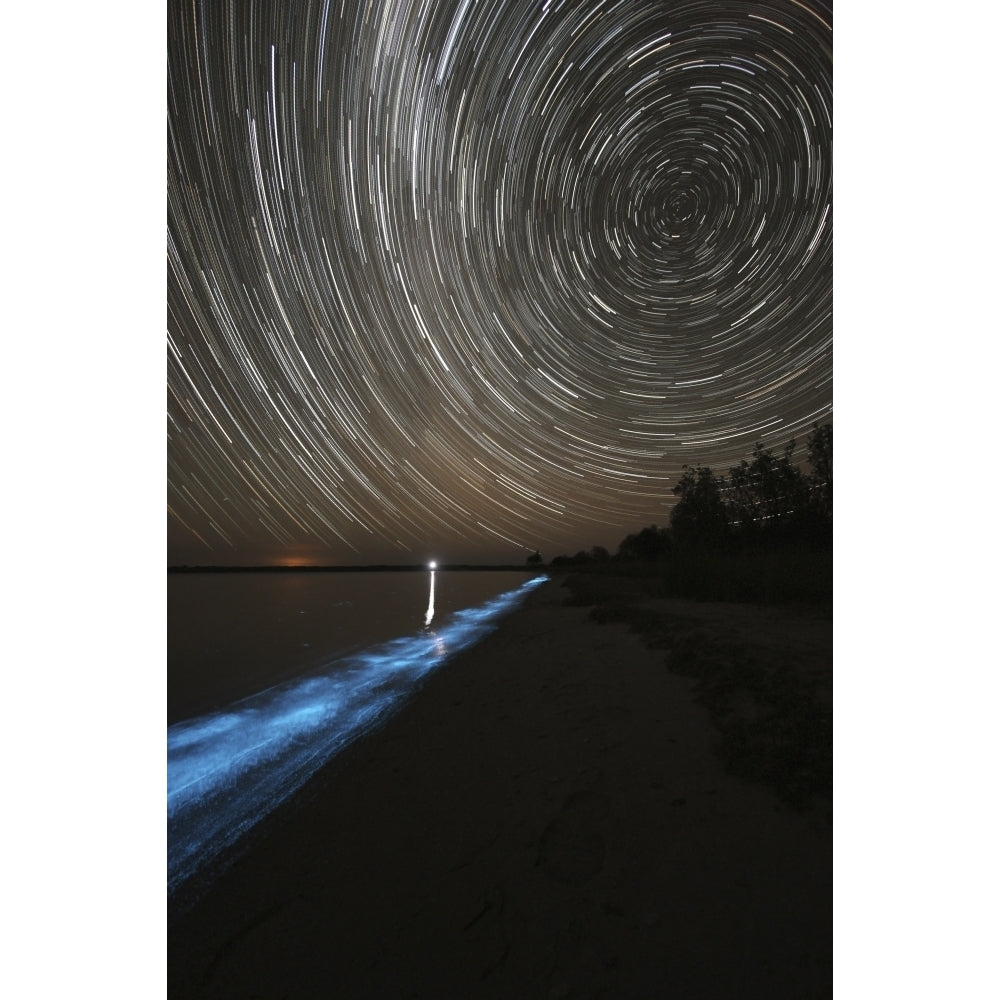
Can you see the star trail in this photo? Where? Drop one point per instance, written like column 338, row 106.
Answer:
column 479, row 278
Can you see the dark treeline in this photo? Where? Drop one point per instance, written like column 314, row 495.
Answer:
column 762, row 532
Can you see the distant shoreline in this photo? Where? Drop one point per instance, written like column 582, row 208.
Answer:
column 380, row 568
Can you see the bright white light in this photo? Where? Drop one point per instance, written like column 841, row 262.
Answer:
column 429, row 617
column 433, row 565
column 228, row 769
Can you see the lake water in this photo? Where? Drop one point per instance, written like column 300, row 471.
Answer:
column 233, row 634
column 271, row 674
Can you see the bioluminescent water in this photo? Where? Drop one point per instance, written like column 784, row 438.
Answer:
column 228, row 769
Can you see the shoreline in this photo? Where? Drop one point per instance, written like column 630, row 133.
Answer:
column 548, row 816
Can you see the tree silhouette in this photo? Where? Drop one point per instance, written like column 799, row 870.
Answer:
column 649, row 544
column 819, row 445
column 699, row 517
column 765, row 492
column 535, row 560
column 765, row 501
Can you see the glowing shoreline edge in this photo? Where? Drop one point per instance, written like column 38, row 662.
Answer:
column 227, row 770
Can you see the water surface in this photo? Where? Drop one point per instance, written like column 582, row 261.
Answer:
column 233, row 634
column 229, row 767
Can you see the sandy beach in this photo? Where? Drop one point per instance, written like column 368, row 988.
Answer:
column 550, row 816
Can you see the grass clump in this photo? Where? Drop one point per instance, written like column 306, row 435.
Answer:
column 774, row 728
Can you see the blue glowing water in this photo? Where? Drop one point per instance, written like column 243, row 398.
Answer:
column 233, row 634
column 227, row 769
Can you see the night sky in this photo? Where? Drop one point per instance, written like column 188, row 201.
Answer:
column 470, row 279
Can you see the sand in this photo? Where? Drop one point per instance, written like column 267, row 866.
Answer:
column 547, row 817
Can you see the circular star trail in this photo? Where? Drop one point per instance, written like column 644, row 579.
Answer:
column 481, row 277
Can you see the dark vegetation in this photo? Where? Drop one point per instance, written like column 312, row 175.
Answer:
column 761, row 535
column 771, row 703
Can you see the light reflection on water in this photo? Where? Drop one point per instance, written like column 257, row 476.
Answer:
column 231, row 635
column 429, row 616
column 228, row 769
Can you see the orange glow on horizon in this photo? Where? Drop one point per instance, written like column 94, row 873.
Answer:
column 291, row 562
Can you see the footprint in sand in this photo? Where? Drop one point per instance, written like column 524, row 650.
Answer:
column 572, row 849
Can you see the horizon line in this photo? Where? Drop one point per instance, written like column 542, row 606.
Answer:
column 281, row 567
